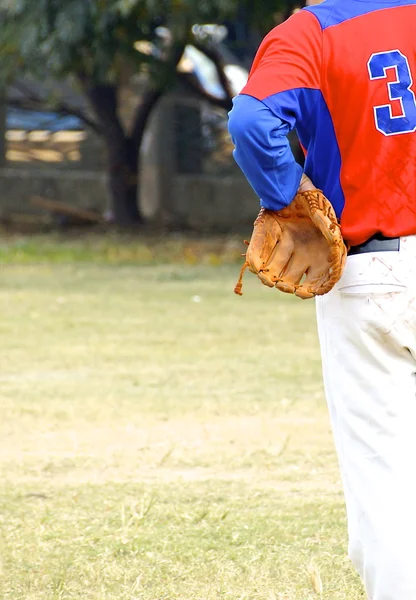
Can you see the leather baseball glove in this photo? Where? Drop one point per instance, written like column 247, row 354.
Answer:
column 299, row 250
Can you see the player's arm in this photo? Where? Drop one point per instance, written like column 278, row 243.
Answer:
column 286, row 66
column 263, row 153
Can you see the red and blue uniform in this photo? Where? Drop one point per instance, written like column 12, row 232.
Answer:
column 343, row 74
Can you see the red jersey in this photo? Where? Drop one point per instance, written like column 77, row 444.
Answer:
column 342, row 73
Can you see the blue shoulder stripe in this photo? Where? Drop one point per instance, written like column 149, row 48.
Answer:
column 334, row 12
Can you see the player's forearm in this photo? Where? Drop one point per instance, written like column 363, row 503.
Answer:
column 263, row 153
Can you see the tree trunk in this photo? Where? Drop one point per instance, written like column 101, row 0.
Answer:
column 123, row 179
column 122, row 155
column 123, row 150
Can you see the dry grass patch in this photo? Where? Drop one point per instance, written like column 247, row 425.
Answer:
column 164, row 439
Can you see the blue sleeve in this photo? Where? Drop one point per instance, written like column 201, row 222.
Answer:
column 263, row 153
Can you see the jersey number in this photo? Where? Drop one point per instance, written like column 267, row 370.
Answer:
column 399, row 89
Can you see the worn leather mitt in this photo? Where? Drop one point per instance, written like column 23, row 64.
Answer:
column 299, row 250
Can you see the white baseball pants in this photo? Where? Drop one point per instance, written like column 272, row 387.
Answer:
column 367, row 333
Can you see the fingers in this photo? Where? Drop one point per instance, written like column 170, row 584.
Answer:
column 266, row 235
column 291, row 277
column 278, row 263
column 304, row 293
column 317, row 282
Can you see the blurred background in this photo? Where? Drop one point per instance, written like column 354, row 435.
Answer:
column 160, row 439
column 116, row 112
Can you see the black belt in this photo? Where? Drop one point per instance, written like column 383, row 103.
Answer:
column 377, row 243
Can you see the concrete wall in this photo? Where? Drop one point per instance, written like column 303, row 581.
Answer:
column 176, row 199
column 190, row 200
column 85, row 189
column 209, row 203
column 197, row 202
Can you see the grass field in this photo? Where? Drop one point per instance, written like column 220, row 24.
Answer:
column 160, row 437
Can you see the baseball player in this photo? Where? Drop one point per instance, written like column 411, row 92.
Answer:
column 342, row 73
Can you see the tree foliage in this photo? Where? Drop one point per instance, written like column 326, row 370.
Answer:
column 95, row 38
column 96, row 42
column 266, row 14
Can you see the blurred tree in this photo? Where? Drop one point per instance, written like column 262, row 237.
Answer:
column 251, row 21
column 95, row 41
column 268, row 13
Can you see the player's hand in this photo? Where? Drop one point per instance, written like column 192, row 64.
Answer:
column 299, row 249
column 305, row 184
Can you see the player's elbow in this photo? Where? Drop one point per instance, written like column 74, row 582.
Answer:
column 252, row 124
column 242, row 118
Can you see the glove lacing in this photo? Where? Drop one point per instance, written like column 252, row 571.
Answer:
column 239, row 285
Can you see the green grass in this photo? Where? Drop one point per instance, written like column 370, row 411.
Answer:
column 118, row 249
column 162, row 438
